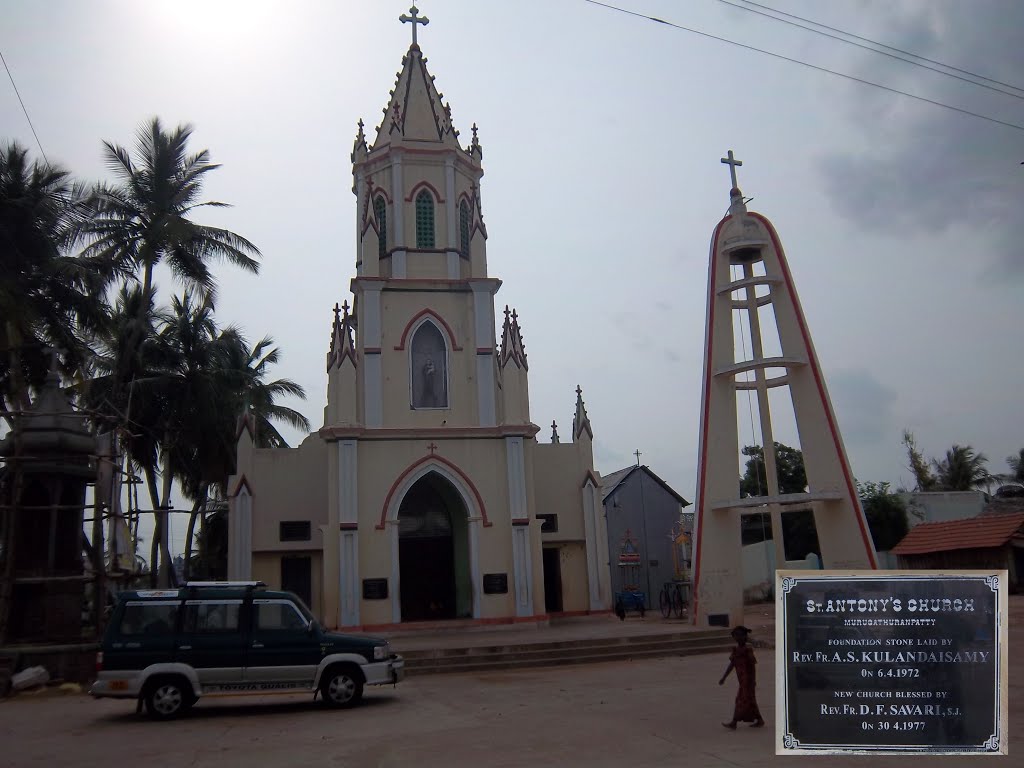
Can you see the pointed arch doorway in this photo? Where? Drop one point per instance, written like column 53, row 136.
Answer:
column 434, row 552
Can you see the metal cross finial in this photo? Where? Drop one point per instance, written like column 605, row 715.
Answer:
column 414, row 19
column 638, row 455
column 579, row 390
column 732, row 162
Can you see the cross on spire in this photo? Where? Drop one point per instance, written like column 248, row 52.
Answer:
column 732, row 162
column 638, row 455
column 414, row 19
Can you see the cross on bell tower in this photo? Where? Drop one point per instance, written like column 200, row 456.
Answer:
column 732, row 162
column 414, row 19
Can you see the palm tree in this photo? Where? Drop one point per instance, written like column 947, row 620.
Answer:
column 962, row 469
column 260, row 396
column 139, row 415
column 142, row 221
column 244, row 388
column 46, row 296
column 1016, row 464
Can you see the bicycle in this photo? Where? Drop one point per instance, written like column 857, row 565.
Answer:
column 671, row 600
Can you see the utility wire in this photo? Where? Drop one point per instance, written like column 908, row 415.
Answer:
column 962, row 111
column 869, row 48
column 23, row 109
column 883, row 45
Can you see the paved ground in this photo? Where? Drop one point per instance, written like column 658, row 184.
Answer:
column 662, row 712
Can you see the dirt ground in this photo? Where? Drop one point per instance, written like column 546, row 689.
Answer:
column 661, row 712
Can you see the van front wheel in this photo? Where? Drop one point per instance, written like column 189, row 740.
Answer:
column 342, row 686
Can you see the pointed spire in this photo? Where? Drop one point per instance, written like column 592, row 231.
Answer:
column 581, row 422
column 512, row 347
column 416, row 110
column 554, row 432
column 342, row 343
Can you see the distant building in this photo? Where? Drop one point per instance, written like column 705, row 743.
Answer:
column 940, row 506
column 639, row 502
column 984, row 542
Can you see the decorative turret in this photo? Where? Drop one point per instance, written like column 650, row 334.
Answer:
column 475, row 150
column 515, row 390
column 342, row 406
column 359, row 148
column 342, row 340
column 581, row 422
column 512, row 347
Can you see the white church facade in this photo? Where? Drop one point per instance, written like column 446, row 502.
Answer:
column 425, row 495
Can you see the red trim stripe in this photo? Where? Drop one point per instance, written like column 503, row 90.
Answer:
column 435, row 316
column 705, row 407
column 818, row 380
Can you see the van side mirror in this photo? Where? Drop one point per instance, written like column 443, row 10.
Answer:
column 311, row 628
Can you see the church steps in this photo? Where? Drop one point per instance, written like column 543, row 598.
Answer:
column 480, row 664
column 579, row 652
column 508, row 647
column 574, row 644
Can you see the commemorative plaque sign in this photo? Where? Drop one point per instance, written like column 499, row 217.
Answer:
column 887, row 662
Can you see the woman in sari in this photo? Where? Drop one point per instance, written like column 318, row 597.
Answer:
column 742, row 660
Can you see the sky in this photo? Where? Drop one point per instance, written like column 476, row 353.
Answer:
column 602, row 134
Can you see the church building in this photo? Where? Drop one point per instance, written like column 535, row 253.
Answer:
column 425, row 496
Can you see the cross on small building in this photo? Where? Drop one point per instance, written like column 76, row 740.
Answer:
column 638, row 455
column 414, row 19
column 732, row 162
column 432, row 447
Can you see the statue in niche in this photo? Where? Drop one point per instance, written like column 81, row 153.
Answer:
column 429, row 368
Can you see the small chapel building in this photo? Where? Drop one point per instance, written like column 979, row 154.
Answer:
column 425, row 496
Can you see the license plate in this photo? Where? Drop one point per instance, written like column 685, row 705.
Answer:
column 119, row 685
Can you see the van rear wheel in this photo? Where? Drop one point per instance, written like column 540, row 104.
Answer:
column 168, row 697
column 342, row 686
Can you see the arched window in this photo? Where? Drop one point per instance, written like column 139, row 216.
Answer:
column 429, row 374
column 464, row 228
column 380, row 210
column 424, row 220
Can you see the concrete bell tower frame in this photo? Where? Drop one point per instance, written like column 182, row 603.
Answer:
column 748, row 272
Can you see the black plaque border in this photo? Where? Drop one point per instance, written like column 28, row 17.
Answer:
column 787, row 744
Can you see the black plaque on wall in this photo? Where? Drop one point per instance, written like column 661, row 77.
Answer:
column 885, row 663
column 495, row 583
column 375, row 589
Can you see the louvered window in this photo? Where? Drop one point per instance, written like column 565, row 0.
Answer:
column 424, row 220
column 464, row 228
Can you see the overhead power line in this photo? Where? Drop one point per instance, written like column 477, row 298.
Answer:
column 826, row 70
column 883, row 45
column 870, row 48
column 23, row 109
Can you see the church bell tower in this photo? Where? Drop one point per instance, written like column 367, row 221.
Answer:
column 750, row 293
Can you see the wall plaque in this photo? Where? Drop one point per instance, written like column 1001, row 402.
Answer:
column 495, row 583
column 891, row 662
column 375, row 589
